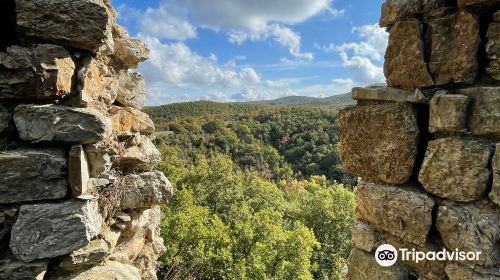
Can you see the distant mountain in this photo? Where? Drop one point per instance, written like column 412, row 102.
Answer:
column 336, row 102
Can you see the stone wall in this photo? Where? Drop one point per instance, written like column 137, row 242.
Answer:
column 427, row 146
column 78, row 192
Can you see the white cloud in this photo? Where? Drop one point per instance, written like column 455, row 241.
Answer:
column 168, row 21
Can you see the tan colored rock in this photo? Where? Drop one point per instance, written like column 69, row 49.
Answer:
column 140, row 154
column 108, row 270
column 404, row 66
column 127, row 120
column 396, row 10
column 471, row 228
column 43, row 72
column 363, row 266
column 476, row 3
column 91, row 255
column 78, row 171
column 145, row 190
column 493, row 49
column 495, row 192
column 454, row 43
column 456, row 271
column 130, row 52
column 400, row 211
column 379, row 141
column 11, row 269
column 384, row 93
column 456, row 169
column 484, row 113
column 131, row 91
column 448, row 113
column 96, row 82
column 99, row 160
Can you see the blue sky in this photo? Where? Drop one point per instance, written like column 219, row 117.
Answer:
column 241, row 50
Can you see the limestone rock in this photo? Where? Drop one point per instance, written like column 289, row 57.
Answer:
column 145, row 190
column 130, row 52
column 400, row 211
column 11, row 268
column 30, row 175
column 127, row 120
column 78, row 171
column 84, row 24
column 471, row 228
column 454, row 43
column 42, row 123
column 51, row 230
column 495, row 192
column 96, row 82
column 476, row 3
column 456, row 271
column 448, row 113
column 456, row 169
column 43, row 72
column 404, row 66
column 484, row 113
column 384, row 93
column 396, row 10
column 140, row 154
column 131, row 91
column 493, row 49
column 99, row 160
column 91, row 255
column 379, row 141
column 109, row 270
column 363, row 266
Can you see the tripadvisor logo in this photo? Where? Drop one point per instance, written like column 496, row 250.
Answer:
column 386, row 255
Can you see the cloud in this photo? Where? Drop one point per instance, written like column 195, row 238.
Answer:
column 168, row 21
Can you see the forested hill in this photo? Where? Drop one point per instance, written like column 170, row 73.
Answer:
column 336, row 102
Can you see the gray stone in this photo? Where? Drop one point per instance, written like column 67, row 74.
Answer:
column 484, row 113
column 384, row 93
column 30, row 175
column 145, row 190
column 44, row 123
column 495, row 192
column 78, row 171
column 400, row 211
column 448, row 113
column 456, row 169
column 43, row 72
column 91, row 255
column 140, row 154
column 51, row 230
column 5, row 119
column 363, row 266
column 471, row 228
column 396, row 10
column 84, row 24
column 131, row 91
column 456, row 271
column 130, row 52
column 99, row 160
column 12, row 269
column 379, row 141
column 496, row 16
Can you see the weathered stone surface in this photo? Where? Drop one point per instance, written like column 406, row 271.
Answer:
column 456, row 271
column 495, row 192
column 43, row 72
column 30, row 175
column 400, row 211
column 379, row 141
column 131, row 91
column 127, row 120
column 84, row 24
column 96, row 82
column 395, row 10
column 99, row 160
column 109, row 270
column 493, row 49
column 448, row 113
column 78, row 171
column 140, row 154
column 454, row 43
column 91, row 255
column 404, row 66
column 384, row 93
column 41, row 123
column 477, row 3
column 130, row 52
column 11, row 268
column 51, row 230
column 484, row 113
column 456, row 169
column 145, row 190
column 5, row 118
column 363, row 266
column 471, row 228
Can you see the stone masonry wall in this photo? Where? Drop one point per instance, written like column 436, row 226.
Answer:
column 78, row 192
column 427, row 146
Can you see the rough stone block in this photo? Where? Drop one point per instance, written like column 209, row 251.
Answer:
column 91, row 255
column 404, row 66
column 383, row 93
column 50, row 230
column 379, row 141
column 127, row 120
column 5, row 119
column 456, row 169
column 108, row 270
column 456, row 271
column 400, row 211
column 131, row 91
column 84, row 24
column 471, row 228
column 140, row 154
column 495, row 192
column 96, row 82
column 363, row 266
column 448, row 113
column 78, row 171
column 476, row 3
column 493, row 49
column 130, row 52
column 30, row 175
column 396, row 10
column 99, row 160
column 43, row 72
column 43, row 123
column 12, row 269
column 484, row 113
column 145, row 190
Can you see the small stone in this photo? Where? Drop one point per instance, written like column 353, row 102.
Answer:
column 495, row 192
column 98, row 182
column 12, row 269
column 400, row 211
column 448, row 113
column 78, row 171
column 99, row 160
column 484, row 113
column 383, row 93
column 91, row 255
column 131, row 90
column 496, row 16
column 140, row 156
column 145, row 190
column 10, row 212
column 396, row 10
column 124, row 217
column 456, row 271
column 111, row 236
column 130, row 52
column 456, row 169
column 48, row 123
column 127, row 120
column 363, row 266
column 471, row 228
column 120, row 226
column 53, row 229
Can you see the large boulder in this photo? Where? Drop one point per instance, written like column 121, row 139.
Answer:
column 140, row 154
column 396, row 10
column 456, row 169
column 130, row 52
column 30, row 175
column 10, row 268
column 50, row 230
column 131, row 90
column 484, row 113
column 84, row 24
column 495, row 192
column 379, row 141
column 363, row 266
column 145, row 190
column 400, row 211
column 43, row 72
column 43, row 123
column 448, row 113
column 471, row 228
column 128, row 120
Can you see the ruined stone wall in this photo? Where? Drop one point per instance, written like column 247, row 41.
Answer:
column 427, row 146
column 78, row 192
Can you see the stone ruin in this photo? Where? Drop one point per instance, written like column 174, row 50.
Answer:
column 427, row 146
column 78, row 192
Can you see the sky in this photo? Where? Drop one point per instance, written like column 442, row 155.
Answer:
column 248, row 50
